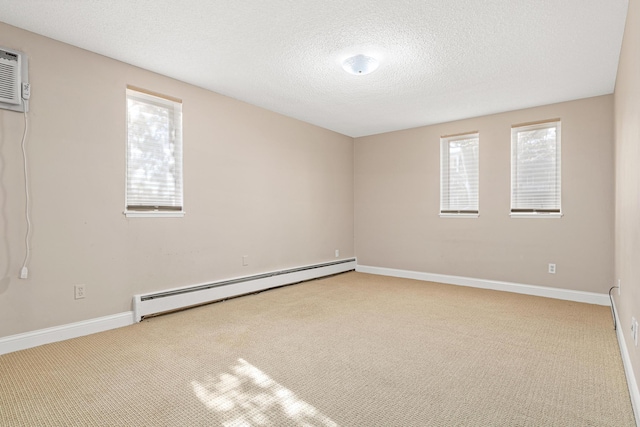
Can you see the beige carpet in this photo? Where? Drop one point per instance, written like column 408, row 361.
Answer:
column 349, row 350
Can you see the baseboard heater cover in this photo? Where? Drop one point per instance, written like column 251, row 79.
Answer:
column 174, row 299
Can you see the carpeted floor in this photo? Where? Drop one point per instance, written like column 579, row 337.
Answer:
column 349, row 350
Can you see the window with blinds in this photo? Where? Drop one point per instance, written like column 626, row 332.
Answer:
column 459, row 169
column 154, row 155
column 535, row 169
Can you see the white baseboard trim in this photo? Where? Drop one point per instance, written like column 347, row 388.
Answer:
column 541, row 291
column 26, row 340
column 64, row 332
column 634, row 392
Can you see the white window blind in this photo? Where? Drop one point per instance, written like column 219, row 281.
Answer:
column 154, row 154
column 535, row 168
column 459, row 169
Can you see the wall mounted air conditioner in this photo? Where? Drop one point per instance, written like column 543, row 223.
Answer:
column 14, row 76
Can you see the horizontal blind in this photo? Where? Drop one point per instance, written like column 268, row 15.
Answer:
column 459, row 171
column 154, row 153
column 536, row 168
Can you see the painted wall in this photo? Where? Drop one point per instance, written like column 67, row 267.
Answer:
column 397, row 202
column 256, row 183
column 627, row 149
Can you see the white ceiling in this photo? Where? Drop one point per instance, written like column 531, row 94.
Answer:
column 441, row 60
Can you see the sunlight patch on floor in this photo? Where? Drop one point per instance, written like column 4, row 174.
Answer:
column 247, row 397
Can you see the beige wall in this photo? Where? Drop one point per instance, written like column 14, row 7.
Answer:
column 397, row 203
column 627, row 148
column 256, row 183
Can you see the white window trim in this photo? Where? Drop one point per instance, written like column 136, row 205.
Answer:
column 459, row 215
column 154, row 213
column 449, row 138
column 538, row 125
column 538, row 215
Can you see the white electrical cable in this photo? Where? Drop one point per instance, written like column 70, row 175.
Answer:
column 23, row 271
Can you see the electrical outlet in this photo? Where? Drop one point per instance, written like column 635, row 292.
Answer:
column 337, row 253
column 552, row 268
column 79, row 291
column 245, row 260
column 634, row 330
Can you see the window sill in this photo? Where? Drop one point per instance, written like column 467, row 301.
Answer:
column 461, row 215
column 153, row 214
column 537, row 215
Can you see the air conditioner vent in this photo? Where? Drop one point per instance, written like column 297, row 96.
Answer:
column 10, row 77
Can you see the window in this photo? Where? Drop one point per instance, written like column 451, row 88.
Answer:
column 459, row 159
column 154, row 155
column 535, row 169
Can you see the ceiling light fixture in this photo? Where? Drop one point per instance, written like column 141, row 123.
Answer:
column 360, row 65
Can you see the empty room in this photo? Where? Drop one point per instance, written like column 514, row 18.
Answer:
column 279, row 213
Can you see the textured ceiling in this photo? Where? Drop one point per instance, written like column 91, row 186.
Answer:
column 440, row 60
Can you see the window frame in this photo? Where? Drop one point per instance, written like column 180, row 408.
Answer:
column 519, row 212
column 175, row 105
column 445, row 145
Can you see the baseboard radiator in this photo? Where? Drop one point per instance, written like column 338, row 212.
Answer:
column 174, row 299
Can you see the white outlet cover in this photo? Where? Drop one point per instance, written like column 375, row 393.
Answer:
column 79, row 291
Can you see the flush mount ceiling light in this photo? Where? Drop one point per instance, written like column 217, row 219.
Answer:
column 360, row 65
